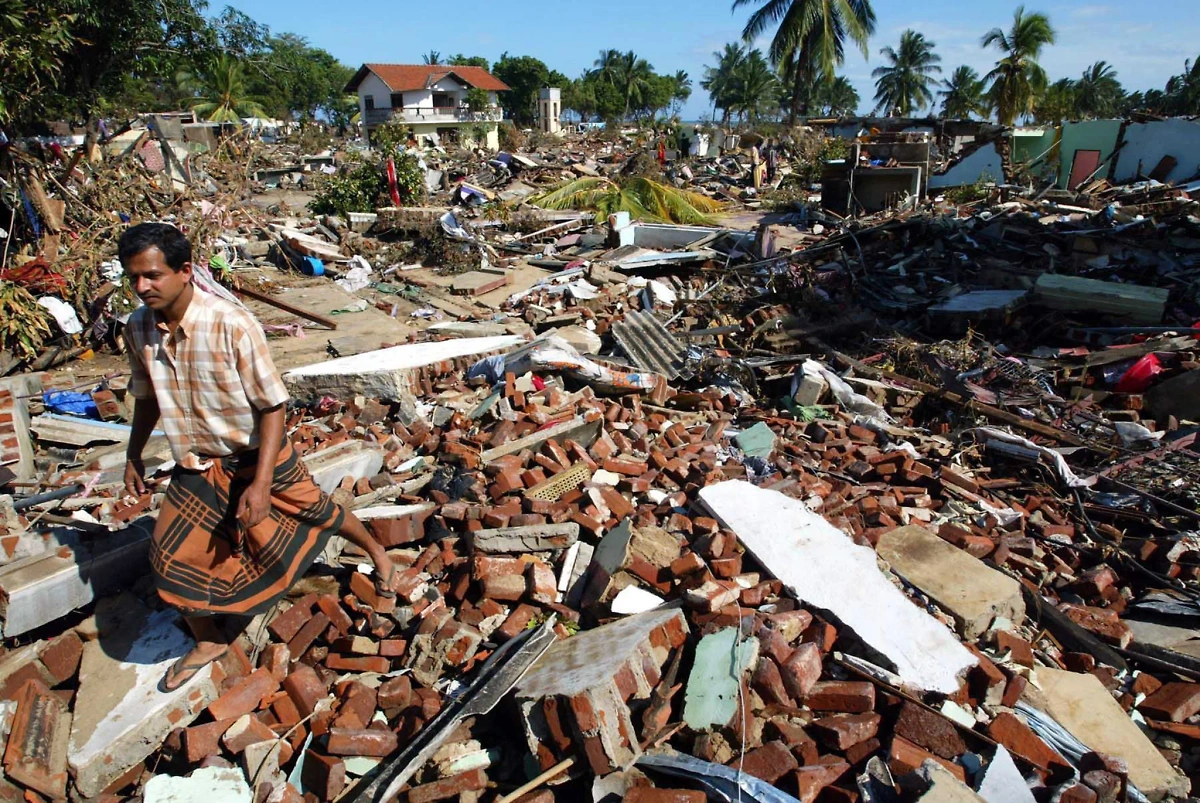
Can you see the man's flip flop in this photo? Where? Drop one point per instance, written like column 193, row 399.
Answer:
column 182, row 671
column 383, row 588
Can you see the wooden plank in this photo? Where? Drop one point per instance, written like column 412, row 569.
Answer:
column 286, row 307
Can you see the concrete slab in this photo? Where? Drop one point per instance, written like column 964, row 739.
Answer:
column 354, row 458
column 943, row 786
column 120, row 715
column 209, row 785
column 356, row 333
column 821, row 566
column 387, row 373
column 974, row 593
column 1002, row 781
column 722, row 659
column 1082, row 705
column 478, row 283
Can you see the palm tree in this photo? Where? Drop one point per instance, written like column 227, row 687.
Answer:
column 962, row 95
column 903, row 87
column 629, row 74
column 810, row 37
column 720, row 81
column 1183, row 91
column 1018, row 79
column 683, row 90
column 432, row 58
column 643, row 198
column 756, row 86
column 837, row 98
column 1059, row 102
column 224, row 97
column 1098, row 93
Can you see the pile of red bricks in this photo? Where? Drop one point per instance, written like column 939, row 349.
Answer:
column 343, row 677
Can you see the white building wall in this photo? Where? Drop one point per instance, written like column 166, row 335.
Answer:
column 374, row 86
column 1147, row 143
column 985, row 162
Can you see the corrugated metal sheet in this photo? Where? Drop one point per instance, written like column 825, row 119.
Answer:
column 650, row 346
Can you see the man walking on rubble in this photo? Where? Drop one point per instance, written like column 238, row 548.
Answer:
column 242, row 519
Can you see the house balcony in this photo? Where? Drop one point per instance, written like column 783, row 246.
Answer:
column 438, row 115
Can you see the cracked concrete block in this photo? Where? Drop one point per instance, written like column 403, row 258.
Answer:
column 120, row 715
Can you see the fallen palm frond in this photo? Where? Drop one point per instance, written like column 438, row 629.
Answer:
column 643, row 198
column 24, row 324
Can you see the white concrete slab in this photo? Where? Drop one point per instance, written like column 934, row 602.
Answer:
column 1002, row 781
column 120, row 715
column 820, row 565
column 386, row 373
column 210, row 785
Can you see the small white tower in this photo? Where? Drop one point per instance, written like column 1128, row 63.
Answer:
column 550, row 110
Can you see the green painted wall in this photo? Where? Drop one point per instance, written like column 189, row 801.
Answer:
column 1026, row 148
column 1095, row 135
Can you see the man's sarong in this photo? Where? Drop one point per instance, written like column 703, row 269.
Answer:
column 198, row 565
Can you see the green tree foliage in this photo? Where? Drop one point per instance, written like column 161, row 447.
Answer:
column 119, row 45
column 296, row 80
column 810, row 37
column 631, row 76
column 720, row 80
column 225, row 97
column 363, row 187
column 1017, row 79
column 525, row 76
column 459, row 60
column 681, row 91
column 837, row 98
column 1098, row 94
column 433, row 57
column 963, row 95
column 742, row 83
column 903, row 85
column 1057, row 103
column 1183, row 90
column 35, row 36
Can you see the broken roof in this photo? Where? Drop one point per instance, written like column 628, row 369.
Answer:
column 410, row 77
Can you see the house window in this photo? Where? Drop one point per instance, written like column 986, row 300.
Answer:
column 397, row 100
column 442, row 100
column 369, row 100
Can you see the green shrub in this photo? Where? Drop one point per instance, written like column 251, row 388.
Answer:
column 363, row 188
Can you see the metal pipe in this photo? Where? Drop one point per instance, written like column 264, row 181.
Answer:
column 49, row 496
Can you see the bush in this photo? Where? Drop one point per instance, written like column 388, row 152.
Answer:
column 363, row 188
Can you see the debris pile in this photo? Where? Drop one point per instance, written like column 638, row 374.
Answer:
column 800, row 509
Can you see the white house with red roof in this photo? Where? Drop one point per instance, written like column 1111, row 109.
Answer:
column 431, row 99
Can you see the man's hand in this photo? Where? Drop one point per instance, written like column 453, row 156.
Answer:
column 135, row 477
column 255, row 504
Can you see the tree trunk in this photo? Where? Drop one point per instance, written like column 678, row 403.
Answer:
column 797, row 86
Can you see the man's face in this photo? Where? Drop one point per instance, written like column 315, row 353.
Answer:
column 156, row 283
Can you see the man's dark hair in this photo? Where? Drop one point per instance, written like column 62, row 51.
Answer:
column 166, row 238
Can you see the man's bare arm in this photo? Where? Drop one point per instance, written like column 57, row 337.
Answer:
column 145, row 416
column 256, row 500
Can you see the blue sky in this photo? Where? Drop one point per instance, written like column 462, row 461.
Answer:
column 682, row 34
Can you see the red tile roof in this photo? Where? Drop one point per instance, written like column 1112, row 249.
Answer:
column 409, row 77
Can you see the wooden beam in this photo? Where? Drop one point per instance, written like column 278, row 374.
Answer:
column 283, row 305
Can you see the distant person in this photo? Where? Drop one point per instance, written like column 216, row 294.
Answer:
column 242, row 519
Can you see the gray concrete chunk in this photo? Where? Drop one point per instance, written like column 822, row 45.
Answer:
column 973, row 593
column 534, row 538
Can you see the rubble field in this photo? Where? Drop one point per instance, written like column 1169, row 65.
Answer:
column 780, row 507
